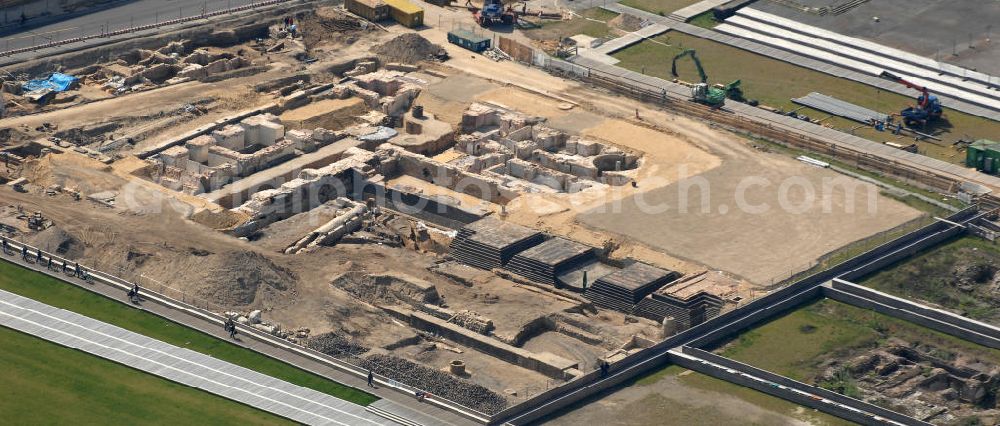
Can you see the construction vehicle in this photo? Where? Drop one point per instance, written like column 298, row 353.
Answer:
column 714, row 95
column 492, row 13
column 927, row 109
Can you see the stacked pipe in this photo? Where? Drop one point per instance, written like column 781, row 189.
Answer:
column 686, row 312
column 332, row 231
column 623, row 289
column 490, row 243
column 544, row 262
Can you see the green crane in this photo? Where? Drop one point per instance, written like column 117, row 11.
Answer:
column 714, row 96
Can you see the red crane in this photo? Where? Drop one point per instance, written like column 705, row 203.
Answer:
column 928, row 107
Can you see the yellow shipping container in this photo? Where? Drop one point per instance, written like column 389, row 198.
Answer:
column 406, row 13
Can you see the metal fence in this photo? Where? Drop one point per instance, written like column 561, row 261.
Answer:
column 159, row 292
column 107, row 33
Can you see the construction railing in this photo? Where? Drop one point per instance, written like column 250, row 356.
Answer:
column 753, row 126
column 195, row 307
column 132, row 29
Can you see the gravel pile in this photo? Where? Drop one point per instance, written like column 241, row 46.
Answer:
column 627, row 22
column 409, row 48
column 336, row 345
column 436, row 382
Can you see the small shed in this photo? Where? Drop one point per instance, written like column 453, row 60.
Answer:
column 984, row 155
column 469, row 40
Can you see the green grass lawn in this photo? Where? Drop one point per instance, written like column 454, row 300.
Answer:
column 774, row 83
column 795, row 344
column 659, row 7
column 56, row 293
column 760, row 399
column 705, row 20
column 931, row 276
column 44, row 383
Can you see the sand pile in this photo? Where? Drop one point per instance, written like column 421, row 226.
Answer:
column 55, row 239
column 626, row 22
column 409, row 47
column 218, row 219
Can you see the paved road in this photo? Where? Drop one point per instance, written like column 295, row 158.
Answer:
column 401, row 404
column 181, row 365
column 123, row 16
column 141, row 12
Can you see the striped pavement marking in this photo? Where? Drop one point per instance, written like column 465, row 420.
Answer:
column 180, row 365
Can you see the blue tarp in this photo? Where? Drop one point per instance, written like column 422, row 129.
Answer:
column 57, row 82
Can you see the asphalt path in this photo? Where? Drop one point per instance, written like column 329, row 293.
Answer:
column 126, row 15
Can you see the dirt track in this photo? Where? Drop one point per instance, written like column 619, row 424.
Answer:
column 679, row 397
column 762, row 241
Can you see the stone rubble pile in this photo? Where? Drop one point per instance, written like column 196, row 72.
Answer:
column 336, row 346
column 438, row 383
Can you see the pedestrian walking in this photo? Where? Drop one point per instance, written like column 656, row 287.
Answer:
column 38, row 257
column 604, row 368
column 24, row 253
column 371, row 379
column 232, row 329
column 135, row 289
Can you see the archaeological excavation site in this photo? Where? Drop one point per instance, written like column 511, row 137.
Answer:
column 492, row 227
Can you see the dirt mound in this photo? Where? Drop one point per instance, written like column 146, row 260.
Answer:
column 409, row 47
column 329, row 26
column 71, row 171
column 235, row 278
column 626, row 22
column 387, row 288
column 222, row 219
column 55, row 239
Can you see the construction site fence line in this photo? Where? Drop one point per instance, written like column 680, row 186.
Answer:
column 129, row 30
column 760, row 127
column 190, row 306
